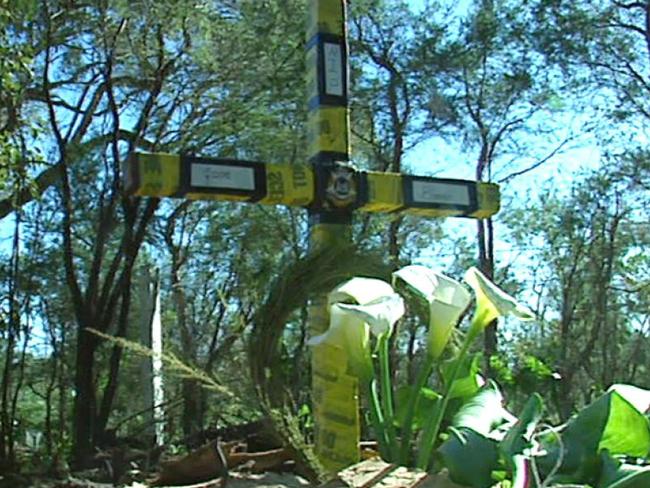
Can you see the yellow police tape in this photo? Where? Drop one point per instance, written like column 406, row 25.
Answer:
column 489, row 200
column 327, row 131
column 288, row 184
column 385, row 192
column 433, row 212
column 158, row 175
column 154, row 174
column 336, row 410
column 488, row 203
column 325, row 16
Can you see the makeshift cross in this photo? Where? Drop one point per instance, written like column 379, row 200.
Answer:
column 330, row 189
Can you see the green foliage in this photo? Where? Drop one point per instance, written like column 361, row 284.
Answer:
column 596, row 447
column 482, row 412
column 470, row 457
column 428, row 399
column 612, row 424
column 468, row 379
column 618, row 474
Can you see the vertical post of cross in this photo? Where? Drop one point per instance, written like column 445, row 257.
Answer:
column 334, row 391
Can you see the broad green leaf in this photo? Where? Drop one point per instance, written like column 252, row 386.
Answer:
column 638, row 397
column 518, row 438
column 615, row 474
column 468, row 380
column 611, row 422
column 470, row 458
column 425, row 407
column 627, row 431
column 483, row 412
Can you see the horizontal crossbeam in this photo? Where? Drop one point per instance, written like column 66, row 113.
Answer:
column 333, row 187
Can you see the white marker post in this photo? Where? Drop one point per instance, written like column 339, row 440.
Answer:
column 151, row 366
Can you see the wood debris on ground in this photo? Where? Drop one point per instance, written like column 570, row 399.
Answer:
column 375, row 473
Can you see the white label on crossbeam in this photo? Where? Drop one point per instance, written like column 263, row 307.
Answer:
column 333, row 69
column 438, row 192
column 222, row 176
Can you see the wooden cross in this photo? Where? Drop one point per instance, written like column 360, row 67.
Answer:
column 331, row 190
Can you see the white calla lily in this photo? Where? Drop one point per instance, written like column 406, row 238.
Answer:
column 492, row 301
column 356, row 307
column 380, row 314
column 359, row 290
column 350, row 333
column 447, row 300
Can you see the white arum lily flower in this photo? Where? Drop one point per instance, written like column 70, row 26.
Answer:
column 360, row 291
column 352, row 335
column 447, row 301
column 380, row 314
column 492, row 301
column 356, row 307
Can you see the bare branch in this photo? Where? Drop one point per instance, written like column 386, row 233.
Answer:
column 538, row 163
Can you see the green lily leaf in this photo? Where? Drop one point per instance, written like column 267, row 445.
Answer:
column 470, row 458
column 615, row 474
column 468, row 380
column 483, row 412
column 638, row 397
column 425, row 407
column 611, row 422
column 517, row 440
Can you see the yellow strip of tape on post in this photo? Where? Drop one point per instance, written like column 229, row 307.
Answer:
column 156, row 175
column 385, row 192
column 489, row 200
column 325, row 16
column 335, row 409
column 288, row 184
column 327, row 130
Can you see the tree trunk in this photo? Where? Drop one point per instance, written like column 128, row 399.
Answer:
column 84, row 400
column 486, row 265
column 13, row 334
column 193, row 411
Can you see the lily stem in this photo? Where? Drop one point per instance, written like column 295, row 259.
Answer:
column 385, row 384
column 432, row 427
column 411, row 408
column 377, row 418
